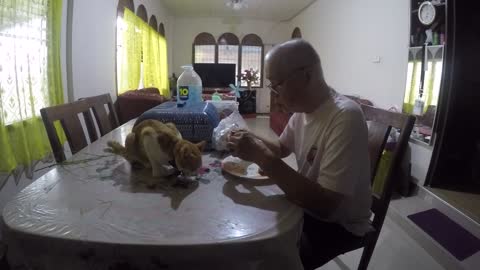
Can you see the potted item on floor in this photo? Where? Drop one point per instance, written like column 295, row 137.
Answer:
column 173, row 85
column 247, row 100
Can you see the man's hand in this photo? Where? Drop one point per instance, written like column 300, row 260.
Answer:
column 299, row 189
column 247, row 146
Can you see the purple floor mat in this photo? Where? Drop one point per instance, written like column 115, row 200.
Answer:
column 451, row 236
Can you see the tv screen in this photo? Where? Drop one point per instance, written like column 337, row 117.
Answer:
column 216, row 75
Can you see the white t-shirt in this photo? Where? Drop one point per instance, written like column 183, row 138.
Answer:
column 331, row 147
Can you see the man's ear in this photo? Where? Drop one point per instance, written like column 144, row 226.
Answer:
column 201, row 145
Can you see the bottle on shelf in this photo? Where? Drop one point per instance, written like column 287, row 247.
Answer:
column 435, row 40
column 442, row 39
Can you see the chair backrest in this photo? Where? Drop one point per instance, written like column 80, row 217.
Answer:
column 380, row 124
column 106, row 121
column 67, row 114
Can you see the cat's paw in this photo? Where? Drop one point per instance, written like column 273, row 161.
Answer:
column 115, row 148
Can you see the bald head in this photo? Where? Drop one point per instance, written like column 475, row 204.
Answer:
column 296, row 77
column 291, row 55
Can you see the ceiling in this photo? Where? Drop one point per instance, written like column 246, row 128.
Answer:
column 275, row 10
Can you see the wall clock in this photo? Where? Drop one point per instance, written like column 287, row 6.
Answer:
column 427, row 13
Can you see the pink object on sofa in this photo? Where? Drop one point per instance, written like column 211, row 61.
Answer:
column 278, row 121
column 225, row 94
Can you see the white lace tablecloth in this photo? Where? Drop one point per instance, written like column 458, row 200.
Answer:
column 95, row 213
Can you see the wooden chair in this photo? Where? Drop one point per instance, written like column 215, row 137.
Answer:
column 67, row 114
column 380, row 124
column 106, row 122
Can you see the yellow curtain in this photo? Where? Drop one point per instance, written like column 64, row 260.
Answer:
column 413, row 83
column 432, row 80
column 30, row 78
column 164, row 83
column 129, row 51
column 139, row 44
column 151, row 55
column 155, row 67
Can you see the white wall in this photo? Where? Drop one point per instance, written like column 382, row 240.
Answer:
column 349, row 34
column 93, row 44
column 186, row 29
column 420, row 161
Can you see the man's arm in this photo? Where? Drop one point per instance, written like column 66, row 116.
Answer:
column 342, row 163
column 300, row 190
column 275, row 146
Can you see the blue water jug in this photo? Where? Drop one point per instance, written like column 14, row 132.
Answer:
column 189, row 87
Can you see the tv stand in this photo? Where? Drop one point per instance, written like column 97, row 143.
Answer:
column 221, row 90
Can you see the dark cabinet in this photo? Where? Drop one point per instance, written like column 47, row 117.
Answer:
column 455, row 160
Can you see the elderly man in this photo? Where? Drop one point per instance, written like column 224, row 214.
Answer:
column 328, row 135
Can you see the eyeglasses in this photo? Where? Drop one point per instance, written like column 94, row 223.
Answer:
column 274, row 87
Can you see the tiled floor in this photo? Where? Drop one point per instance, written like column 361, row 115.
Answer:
column 395, row 249
column 468, row 203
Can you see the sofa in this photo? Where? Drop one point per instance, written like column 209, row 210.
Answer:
column 133, row 103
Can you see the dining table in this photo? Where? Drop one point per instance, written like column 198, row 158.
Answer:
column 94, row 211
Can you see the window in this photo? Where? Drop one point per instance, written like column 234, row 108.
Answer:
column 296, row 33
column 432, row 79
column 422, row 90
column 128, row 47
column 252, row 57
column 204, row 54
column 161, row 29
column 30, row 78
column 153, row 22
column 142, row 14
column 204, row 49
column 141, row 52
column 246, row 55
column 228, row 48
column 23, row 52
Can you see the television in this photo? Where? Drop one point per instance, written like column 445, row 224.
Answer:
column 216, row 75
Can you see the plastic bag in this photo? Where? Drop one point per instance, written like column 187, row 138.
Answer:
column 220, row 134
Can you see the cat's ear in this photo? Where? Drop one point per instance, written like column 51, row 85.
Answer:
column 201, row 145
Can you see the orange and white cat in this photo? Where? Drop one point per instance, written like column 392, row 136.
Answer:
column 153, row 144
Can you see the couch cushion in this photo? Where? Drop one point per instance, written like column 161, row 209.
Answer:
column 278, row 121
column 133, row 103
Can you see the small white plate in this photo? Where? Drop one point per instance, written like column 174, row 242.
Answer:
column 241, row 168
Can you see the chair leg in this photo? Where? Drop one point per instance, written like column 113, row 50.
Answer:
column 367, row 253
column 3, row 261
